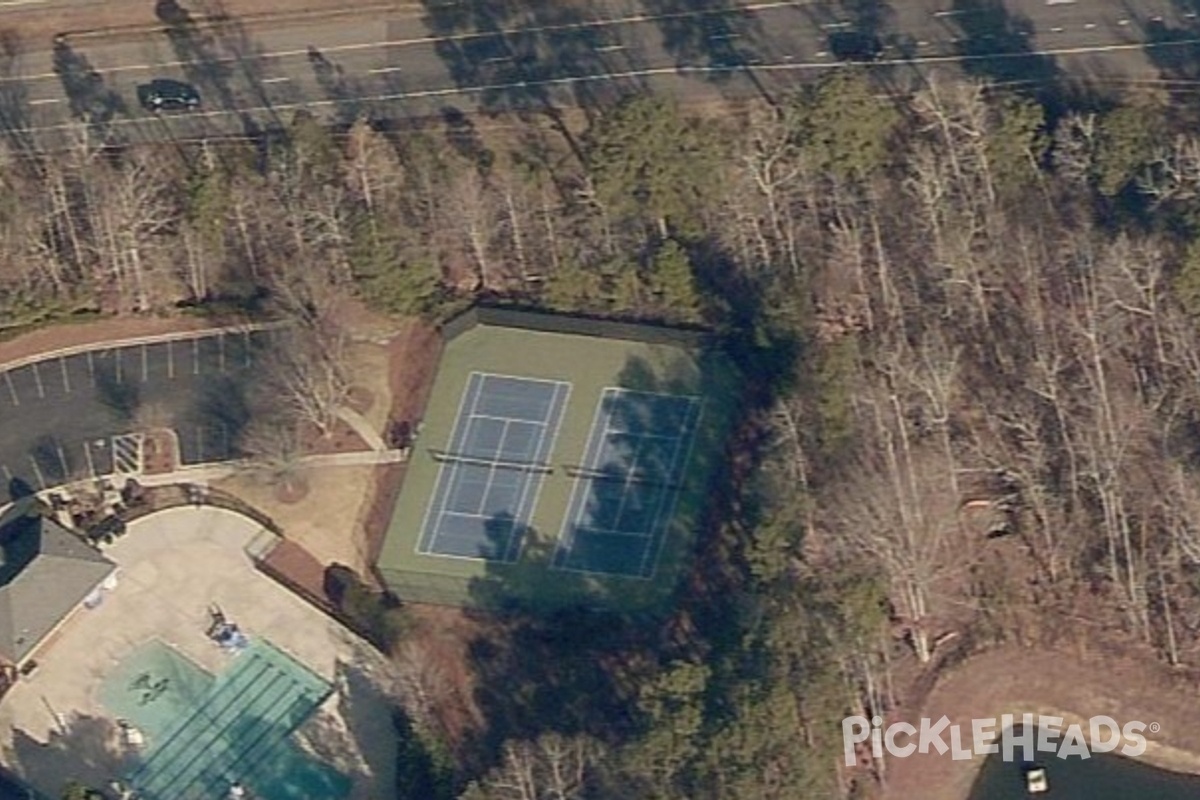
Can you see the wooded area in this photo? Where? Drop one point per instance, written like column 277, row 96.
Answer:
column 969, row 324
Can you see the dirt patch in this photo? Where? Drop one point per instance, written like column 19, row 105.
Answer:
column 1081, row 683
column 160, row 452
column 434, row 661
column 414, row 355
column 340, row 439
column 323, row 521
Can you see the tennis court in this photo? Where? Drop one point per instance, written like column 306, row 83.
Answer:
column 492, row 467
column 625, row 490
column 239, row 730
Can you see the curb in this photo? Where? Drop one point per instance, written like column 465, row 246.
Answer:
column 157, row 338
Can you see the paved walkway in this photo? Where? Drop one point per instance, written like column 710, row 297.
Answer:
column 173, row 565
column 362, row 427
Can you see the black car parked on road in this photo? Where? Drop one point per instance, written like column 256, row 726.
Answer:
column 164, row 94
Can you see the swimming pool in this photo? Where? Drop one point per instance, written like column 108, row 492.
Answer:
column 204, row 733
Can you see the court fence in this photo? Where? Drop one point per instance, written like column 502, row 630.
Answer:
column 561, row 323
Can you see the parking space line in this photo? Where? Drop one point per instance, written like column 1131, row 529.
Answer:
column 11, row 389
column 87, row 456
column 62, row 459
column 91, row 368
column 246, row 351
column 8, row 476
column 37, row 377
column 221, row 353
column 196, row 356
column 37, row 471
column 170, row 361
column 117, row 356
column 62, row 362
column 145, row 366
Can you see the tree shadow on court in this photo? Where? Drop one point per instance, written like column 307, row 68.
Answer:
column 89, row 98
column 996, row 44
column 89, row 751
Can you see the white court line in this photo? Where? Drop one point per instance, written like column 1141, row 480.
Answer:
column 562, row 412
column 442, row 466
column 566, row 533
column 682, row 472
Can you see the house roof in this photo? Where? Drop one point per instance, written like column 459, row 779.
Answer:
column 45, row 572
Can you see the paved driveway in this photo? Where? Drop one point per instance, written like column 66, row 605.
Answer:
column 172, row 565
column 58, row 416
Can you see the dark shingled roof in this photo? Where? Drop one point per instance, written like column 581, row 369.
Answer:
column 45, row 572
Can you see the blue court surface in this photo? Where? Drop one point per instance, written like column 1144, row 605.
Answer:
column 492, row 467
column 625, row 490
column 239, row 729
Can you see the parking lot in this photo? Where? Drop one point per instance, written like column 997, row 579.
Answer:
column 59, row 415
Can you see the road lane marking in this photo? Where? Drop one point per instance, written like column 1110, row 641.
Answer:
column 668, row 71
column 37, row 378
column 66, row 380
column 11, row 389
column 632, row 19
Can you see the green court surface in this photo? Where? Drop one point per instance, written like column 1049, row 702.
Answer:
column 560, row 462
column 209, row 733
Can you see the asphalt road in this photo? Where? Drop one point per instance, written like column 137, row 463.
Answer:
column 471, row 57
column 59, row 416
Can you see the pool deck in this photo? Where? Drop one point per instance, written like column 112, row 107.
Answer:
column 172, row 566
